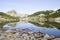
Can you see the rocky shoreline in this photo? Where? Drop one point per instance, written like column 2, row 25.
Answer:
column 22, row 35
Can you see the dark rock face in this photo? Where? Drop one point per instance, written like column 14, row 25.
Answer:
column 22, row 35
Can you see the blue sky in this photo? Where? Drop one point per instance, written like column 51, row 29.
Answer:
column 28, row 6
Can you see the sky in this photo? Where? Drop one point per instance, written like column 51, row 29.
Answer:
column 28, row 6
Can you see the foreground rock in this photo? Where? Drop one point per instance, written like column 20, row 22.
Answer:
column 22, row 35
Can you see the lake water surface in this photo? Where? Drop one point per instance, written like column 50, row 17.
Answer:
column 33, row 28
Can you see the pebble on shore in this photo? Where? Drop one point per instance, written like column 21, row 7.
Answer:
column 11, row 35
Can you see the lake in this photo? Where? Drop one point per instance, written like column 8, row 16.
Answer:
column 46, row 28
